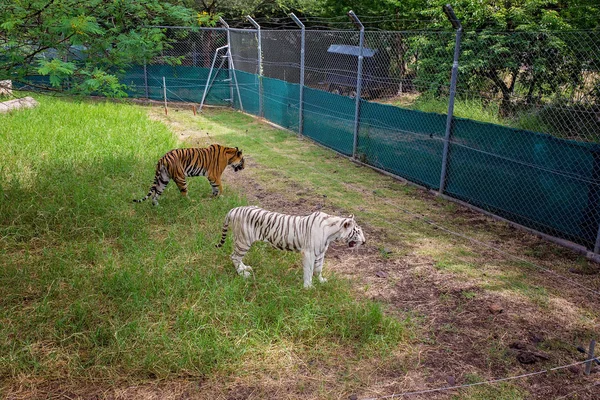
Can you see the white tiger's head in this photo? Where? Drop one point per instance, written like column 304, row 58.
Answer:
column 353, row 234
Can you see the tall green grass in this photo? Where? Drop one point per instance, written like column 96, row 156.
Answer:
column 95, row 286
column 474, row 109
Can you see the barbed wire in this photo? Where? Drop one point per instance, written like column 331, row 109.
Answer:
column 467, row 385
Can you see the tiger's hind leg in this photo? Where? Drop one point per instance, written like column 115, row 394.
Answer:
column 160, row 183
column 240, row 248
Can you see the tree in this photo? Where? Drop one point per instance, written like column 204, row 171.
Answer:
column 81, row 45
column 519, row 49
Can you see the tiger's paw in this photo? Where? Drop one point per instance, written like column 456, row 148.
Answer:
column 322, row 280
column 246, row 272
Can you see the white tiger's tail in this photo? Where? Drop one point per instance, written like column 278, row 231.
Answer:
column 224, row 233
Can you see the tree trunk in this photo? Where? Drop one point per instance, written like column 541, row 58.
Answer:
column 505, row 106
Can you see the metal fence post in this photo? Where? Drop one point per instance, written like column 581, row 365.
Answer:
column 588, row 365
column 145, row 80
column 260, row 69
column 357, row 22
column 165, row 95
column 301, row 105
column 456, row 25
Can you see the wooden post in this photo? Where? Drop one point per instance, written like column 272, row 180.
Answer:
column 165, row 95
column 588, row 365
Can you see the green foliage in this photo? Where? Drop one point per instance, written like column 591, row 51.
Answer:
column 82, row 46
column 235, row 9
column 56, row 69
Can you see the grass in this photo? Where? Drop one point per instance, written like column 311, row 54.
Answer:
column 473, row 109
column 93, row 286
column 572, row 123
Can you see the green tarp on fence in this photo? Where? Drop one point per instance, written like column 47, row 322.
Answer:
column 404, row 142
column 280, row 104
column 540, row 181
column 249, row 88
column 183, row 83
column 329, row 119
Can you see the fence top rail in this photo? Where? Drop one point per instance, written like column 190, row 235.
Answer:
column 372, row 30
column 245, row 29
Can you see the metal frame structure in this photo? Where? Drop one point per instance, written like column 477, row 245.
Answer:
column 212, row 66
column 231, row 67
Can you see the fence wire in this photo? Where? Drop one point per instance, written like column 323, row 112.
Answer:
column 524, row 140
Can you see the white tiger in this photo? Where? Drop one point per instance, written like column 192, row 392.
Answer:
column 309, row 234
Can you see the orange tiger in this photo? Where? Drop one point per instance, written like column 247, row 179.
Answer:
column 179, row 163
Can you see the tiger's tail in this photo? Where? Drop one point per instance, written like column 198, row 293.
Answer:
column 152, row 190
column 157, row 186
column 145, row 197
column 224, row 233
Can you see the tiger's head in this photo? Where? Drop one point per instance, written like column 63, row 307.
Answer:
column 236, row 160
column 354, row 235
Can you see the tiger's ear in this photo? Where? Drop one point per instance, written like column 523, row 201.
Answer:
column 351, row 216
column 239, row 153
column 348, row 223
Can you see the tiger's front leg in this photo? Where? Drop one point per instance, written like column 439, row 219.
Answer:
column 319, row 267
column 240, row 249
column 308, row 263
column 217, row 188
column 182, row 185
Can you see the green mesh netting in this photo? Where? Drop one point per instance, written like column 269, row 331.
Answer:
column 405, row 142
column 183, row 83
column 248, row 87
column 329, row 119
column 537, row 180
column 280, row 103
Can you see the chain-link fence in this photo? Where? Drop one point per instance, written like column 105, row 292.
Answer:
column 523, row 141
column 184, row 64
